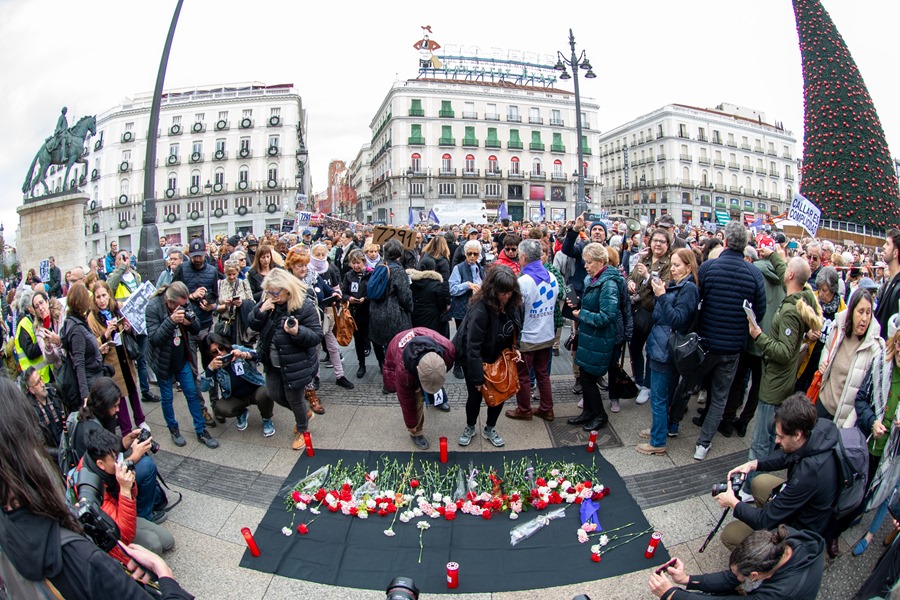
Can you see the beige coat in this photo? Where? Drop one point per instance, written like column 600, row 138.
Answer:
column 844, row 410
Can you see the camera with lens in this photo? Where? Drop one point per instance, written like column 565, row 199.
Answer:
column 402, row 588
column 291, row 322
column 145, row 435
column 736, row 481
column 189, row 315
column 97, row 525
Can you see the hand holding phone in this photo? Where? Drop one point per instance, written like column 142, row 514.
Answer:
column 748, row 310
column 664, row 567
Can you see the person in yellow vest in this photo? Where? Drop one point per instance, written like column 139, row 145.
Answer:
column 124, row 281
column 28, row 352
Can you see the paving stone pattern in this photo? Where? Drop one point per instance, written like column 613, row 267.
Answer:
column 563, row 434
column 671, row 485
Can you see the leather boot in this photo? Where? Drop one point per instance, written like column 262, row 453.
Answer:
column 581, row 419
column 314, row 403
column 597, row 422
column 299, row 443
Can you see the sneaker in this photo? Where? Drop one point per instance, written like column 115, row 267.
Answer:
column 361, row 372
column 491, row 435
column 576, row 389
column 466, row 438
column 673, row 430
column 420, row 441
column 242, row 420
column 326, row 364
column 746, row 496
column 145, row 427
column 445, row 407
column 458, row 372
column 603, row 383
column 644, row 434
column 643, row 396
column 698, row 421
column 159, row 517
column 208, row 418
column 650, row 450
column 177, row 438
column 581, row 404
column 701, row 397
column 740, row 428
column 700, row 452
column 860, row 546
column 614, row 406
column 149, row 396
column 344, row 383
column 268, row 428
column 316, row 383
column 204, row 438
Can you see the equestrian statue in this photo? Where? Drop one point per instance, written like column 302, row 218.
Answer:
column 64, row 147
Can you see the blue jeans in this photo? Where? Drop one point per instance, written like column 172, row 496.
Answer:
column 145, row 478
column 141, row 364
column 659, row 407
column 763, row 442
column 186, row 378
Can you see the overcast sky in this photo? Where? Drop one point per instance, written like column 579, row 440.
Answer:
column 90, row 55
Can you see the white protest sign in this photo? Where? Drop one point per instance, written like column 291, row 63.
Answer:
column 805, row 213
column 44, row 270
column 134, row 307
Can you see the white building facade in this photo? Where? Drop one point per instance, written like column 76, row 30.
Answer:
column 360, row 177
column 699, row 165
column 230, row 159
column 445, row 142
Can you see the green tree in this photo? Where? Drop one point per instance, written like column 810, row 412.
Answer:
column 847, row 168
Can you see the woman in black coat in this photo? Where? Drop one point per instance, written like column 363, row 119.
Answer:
column 290, row 332
column 493, row 323
column 354, row 285
column 79, row 342
column 437, row 249
column 391, row 314
column 432, row 294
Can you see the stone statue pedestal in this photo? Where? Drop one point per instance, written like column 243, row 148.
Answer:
column 52, row 226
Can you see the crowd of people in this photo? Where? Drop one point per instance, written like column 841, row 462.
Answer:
column 247, row 322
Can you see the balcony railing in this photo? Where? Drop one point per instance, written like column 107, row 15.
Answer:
column 447, row 172
column 536, row 120
column 731, row 144
column 661, row 157
column 491, row 117
column 735, row 166
column 447, row 114
column 514, row 174
column 513, row 118
column 719, row 163
column 747, row 169
column 493, row 144
column 471, row 172
column 774, row 174
column 558, row 176
column 536, row 146
column 758, row 149
column 686, row 157
column 492, row 173
column 469, row 143
column 514, row 145
column 557, row 122
column 469, row 115
column 703, row 160
column 416, row 140
column 417, row 112
column 536, row 175
column 447, row 141
column 745, row 147
column 557, row 148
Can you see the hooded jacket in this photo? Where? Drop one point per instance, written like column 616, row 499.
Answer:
column 483, row 336
column 673, row 311
column 798, row 579
column 166, row 358
column 432, row 298
column 78, row 569
column 808, row 496
column 796, row 315
column 598, row 321
column 772, row 270
column 402, row 358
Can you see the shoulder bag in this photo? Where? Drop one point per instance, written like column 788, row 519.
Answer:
column 688, row 350
column 501, row 378
column 815, row 386
column 344, row 324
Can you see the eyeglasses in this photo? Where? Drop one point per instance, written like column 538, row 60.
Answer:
column 812, row 257
column 473, row 253
column 511, row 249
column 658, row 241
column 274, row 294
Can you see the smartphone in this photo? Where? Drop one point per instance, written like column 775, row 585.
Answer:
column 654, row 274
column 572, row 296
column 748, row 309
column 663, row 568
column 226, row 360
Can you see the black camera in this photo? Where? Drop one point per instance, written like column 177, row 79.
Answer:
column 189, row 315
column 145, row 435
column 291, row 322
column 736, row 481
column 97, row 525
column 402, row 588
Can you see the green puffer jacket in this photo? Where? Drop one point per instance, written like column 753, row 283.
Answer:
column 597, row 322
column 781, row 345
column 772, row 270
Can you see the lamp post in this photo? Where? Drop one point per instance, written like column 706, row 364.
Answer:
column 575, row 61
column 208, row 188
column 409, row 175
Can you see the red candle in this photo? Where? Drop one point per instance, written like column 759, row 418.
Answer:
column 443, row 449
column 592, row 442
column 654, row 542
column 251, row 543
column 452, row 575
column 309, row 447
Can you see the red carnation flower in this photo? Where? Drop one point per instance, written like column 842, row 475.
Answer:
column 486, row 514
column 595, row 557
column 320, row 495
column 295, row 496
column 333, row 507
column 450, row 515
column 414, row 483
column 353, row 511
column 302, row 529
column 541, row 481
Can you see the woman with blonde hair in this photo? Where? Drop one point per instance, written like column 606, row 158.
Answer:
column 437, row 249
column 233, row 292
column 290, row 331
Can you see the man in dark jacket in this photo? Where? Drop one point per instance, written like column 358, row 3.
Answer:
column 805, row 500
column 799, row 563
column 889, row 294
column 55, row 280
column 725, row 284
column 417, row 360
column 202, row 281
column 168, row 327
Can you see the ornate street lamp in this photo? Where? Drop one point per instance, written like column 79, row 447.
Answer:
column 575, row 61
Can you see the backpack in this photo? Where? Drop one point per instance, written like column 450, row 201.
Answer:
column 852, row 458
column 379, row 282
column 68, row 457
column 17, row 586
column 67, row 383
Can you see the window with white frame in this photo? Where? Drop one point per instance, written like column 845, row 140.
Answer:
column 223, row 115
column 247, row 113
column 446, row 163
column 470, row 163
column 536, row 166
column 492, row 190
column 514, row 166
column 275, row 111
column 415, row 162
column 220, row 145
column 273, row 173
column 173, row 149
column 557, row 167
column 176, row 120
column 469, row 190
column 273, row 141
column 129, row 126
column 493, row 167
column 198, row 117
column 124, row 186
column 126, row 155
column 195, row 179
column 219, row 177
column 197, row 148
column 446, row 189
column 245, row 143
column 417, row 189
column 244, row 175
column 173, row 182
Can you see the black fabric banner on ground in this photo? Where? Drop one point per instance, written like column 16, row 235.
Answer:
column 351, row 552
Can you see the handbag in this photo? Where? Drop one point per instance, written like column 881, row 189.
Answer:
column 344, row 324
column 642, row 319
column 571, row 344
column 132, row 346
column 621, row 385
column 688, row 351
column 501, row 378
column 815, row 386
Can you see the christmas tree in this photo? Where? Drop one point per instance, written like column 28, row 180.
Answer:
column 847, row 168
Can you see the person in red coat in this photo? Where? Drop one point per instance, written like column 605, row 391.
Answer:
column 416, row 360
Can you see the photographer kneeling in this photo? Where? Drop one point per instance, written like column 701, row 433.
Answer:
column 104, row 469
column 806, row 499
column 100, row 412
column 768, row 564
column 234, row 368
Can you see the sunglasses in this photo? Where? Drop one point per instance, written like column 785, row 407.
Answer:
column 473, row 253
column 273, row 294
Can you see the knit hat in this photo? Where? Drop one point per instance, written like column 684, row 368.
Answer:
column 432, row 372
column 233, row 241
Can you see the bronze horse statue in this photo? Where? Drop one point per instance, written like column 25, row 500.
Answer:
column 74, row 154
